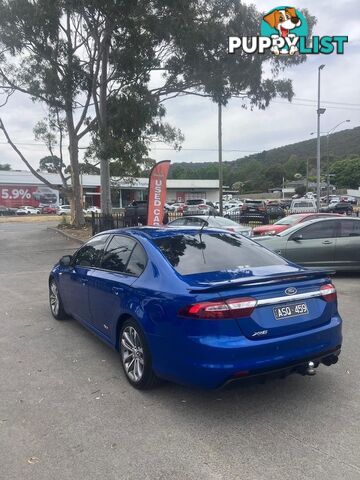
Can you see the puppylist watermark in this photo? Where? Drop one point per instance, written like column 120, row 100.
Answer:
column 284, row 31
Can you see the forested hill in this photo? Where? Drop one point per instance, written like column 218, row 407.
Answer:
column 266, row 169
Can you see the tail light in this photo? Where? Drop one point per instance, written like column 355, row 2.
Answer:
column 202, row 206
column 328, row 292
column 231, row 308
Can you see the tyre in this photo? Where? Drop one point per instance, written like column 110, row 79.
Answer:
column 56, row 305
column 135, row 356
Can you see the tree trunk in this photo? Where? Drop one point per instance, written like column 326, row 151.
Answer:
column 77, row 214
column 106, row 206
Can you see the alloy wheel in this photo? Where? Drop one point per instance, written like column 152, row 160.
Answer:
column 54, row 299
column 132, row 354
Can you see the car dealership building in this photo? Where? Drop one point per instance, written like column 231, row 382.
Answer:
column 17, row 187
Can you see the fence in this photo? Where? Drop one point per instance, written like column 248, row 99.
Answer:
column 101, row 222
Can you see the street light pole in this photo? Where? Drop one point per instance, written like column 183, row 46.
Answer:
column 320, row 111
column 220, row 159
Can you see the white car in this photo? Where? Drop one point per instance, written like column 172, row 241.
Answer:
column 27, row 211
column 93, row 209
column 64, row 210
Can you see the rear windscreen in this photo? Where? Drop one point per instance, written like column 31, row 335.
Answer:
column 195, row 202
column 199, row 253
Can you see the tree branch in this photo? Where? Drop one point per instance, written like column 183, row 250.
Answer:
column 32, row 170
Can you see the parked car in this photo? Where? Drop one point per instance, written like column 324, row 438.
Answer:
column 288, row 222
column 136, row 213
column 50, row 209
column 339, row 207
column 326, row 242
column 254, row 210
column 6, row 211
column 93, row 209
column 275, row 212
column 349, row 198
column 233, row 213
column 303, row 205
column 199, row 206
column 212, row 222
column 64, row 210
column 27, row 210
column 177, row 207
column 200, row 307
column 285, row 203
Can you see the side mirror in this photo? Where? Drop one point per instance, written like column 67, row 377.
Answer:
column 65, row 261
column 297, row 237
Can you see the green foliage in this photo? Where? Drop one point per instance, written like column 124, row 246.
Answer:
column 300, row 190
column 347, row 172
column 50, row 164
column 5, row 166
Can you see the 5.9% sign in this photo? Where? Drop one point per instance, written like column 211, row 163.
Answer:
column 15, row 193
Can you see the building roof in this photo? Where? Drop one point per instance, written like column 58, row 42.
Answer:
column 24, row 177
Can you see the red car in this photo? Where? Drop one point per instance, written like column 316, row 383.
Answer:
column 288, row 222
column 49, row 209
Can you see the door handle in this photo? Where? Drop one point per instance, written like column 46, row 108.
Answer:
column 327, row 242
column 84, row 281
column 117, row 290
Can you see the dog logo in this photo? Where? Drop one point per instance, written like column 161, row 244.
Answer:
column 285, row 31
column 291, row 291
column 284, row 23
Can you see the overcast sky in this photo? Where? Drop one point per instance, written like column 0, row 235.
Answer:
column 244, row 131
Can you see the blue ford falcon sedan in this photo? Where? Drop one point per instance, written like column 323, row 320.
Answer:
column 198, row 306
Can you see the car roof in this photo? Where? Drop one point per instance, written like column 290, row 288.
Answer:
column 299, row 226
column 161, row 232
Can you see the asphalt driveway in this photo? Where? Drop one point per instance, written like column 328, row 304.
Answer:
column 67, row 412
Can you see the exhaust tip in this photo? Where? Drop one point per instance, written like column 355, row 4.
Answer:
column 310, row 370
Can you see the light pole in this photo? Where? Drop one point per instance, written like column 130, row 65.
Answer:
column 220, row 159
column 328, row 133
column 320, row 111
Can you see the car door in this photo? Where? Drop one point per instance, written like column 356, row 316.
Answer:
column 74, row 280
column 313, row 245
column 110, row 286
column 347, row 249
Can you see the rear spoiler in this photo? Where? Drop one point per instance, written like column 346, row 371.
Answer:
column 258, row 280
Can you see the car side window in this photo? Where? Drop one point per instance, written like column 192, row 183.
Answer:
column 178, row 222
column 137, row 262
column 194, row 222
column 350, row 228
column 318, row 230
column 90, row 254
column 117, row 253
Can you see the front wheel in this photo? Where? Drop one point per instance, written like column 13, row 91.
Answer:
column 56, row 305
column 135, row 357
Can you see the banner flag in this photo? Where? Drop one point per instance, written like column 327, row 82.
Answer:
column 157, row 193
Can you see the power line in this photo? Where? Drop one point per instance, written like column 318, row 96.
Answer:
column 328, row 101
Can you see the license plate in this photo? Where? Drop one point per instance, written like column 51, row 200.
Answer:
column 292, row 310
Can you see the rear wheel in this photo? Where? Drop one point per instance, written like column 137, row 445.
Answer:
column 56, row 305
column 135, row 356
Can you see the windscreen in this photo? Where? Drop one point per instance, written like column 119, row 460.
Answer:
column 290, row 220
column 211, row 252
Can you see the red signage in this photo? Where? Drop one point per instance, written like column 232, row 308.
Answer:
column 15, row 196
column 157, row 193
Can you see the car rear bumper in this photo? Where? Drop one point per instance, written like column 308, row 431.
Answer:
column 212, row 361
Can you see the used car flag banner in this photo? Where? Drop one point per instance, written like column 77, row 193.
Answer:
column 157, row 193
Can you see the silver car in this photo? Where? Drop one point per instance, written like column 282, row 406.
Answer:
column 211, row 221
column 332, row 242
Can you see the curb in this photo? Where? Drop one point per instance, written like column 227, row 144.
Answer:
column 66, row 235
